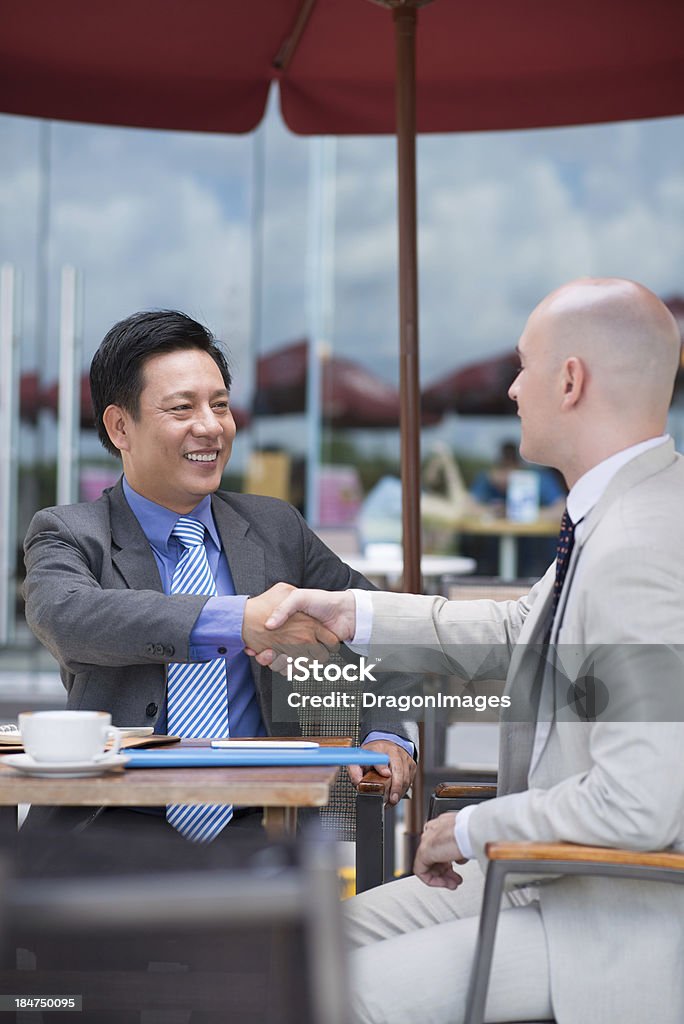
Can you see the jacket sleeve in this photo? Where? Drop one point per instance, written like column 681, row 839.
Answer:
column 82, row 622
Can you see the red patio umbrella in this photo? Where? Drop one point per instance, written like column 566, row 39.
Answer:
column 477, row 389
column 207, row 65
column 30, row 398
column 351, row 396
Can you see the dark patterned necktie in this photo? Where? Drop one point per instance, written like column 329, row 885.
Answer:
column 566, row 539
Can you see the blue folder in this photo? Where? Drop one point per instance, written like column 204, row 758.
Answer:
column 206, row 757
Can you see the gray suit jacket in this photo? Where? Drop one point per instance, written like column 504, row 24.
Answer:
column 94, row 598
column 615, row 778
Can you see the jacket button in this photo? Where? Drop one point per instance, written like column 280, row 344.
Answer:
column 149, row 649
column 222, row 650
column 169, row 649
column 151, row 709
column 158, row 648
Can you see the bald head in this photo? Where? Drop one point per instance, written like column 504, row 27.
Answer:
column 627, row 337
column 599, row 358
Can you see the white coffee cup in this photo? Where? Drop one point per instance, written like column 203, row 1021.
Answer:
column 60, row 736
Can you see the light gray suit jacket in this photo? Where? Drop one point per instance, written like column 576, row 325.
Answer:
column 616, row 948
column 94, row 598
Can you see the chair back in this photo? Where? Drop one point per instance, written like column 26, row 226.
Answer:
column 249, row 933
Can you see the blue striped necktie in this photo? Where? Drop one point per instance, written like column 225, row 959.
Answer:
column 197, row 693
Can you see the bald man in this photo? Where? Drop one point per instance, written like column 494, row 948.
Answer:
column 597, row 364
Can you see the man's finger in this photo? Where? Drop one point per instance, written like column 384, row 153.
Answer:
column 293, row 603
column 328, row 639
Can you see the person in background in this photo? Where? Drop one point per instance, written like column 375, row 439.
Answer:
column 489, row 490
column 490, row 485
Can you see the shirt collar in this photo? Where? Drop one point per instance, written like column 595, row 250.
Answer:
column 157, row 522
column 587, row 491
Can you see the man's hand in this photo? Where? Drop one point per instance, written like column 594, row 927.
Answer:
column 298, row 633
column 437, row 851
column 398, row 773
column 335, row 611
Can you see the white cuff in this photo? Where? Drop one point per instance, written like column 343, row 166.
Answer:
column 364, row 621
column 461, row 831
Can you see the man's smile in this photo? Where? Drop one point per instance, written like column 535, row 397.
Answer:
column 201, row 456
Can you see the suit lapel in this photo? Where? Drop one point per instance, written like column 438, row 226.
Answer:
column 523, row 686
column 248, row 569
column 131, row 553
column 245, row 557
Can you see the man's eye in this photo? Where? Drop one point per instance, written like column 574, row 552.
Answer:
column 221, row 405
column 180, row 408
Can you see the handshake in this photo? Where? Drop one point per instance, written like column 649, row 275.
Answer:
column 284, row 620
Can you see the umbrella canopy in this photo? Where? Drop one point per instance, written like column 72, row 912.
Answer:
column 351, row 395
column 207, row 65
column 477, row 389
column 675, row 304
column 30, row 397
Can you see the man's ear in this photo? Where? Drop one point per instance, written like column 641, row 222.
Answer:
column 573, row 381
column 116, row 421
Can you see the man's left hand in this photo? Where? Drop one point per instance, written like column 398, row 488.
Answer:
column 398, row 773
column 437, row 851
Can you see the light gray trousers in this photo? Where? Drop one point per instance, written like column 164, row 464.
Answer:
column 413, row 948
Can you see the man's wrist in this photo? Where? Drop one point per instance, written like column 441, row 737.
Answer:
column 364, row 621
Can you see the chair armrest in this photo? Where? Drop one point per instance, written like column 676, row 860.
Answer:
column 552, row 859
column 571, row 853
column 371, row 784
column 454, row 796
column 370, row 831
column 463, row 790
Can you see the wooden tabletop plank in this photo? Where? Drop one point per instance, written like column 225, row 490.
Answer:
column 150, row 787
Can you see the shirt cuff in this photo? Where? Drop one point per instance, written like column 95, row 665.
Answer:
column 399, row 740
column 364, row 622
column 461, row 831
column 217, row 633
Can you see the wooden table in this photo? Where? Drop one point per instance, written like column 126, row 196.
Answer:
column 508, row 531
column 280, row 791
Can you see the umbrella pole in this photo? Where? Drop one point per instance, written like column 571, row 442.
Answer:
column 405, row 33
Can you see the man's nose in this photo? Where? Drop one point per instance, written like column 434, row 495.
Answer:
column 207, row 422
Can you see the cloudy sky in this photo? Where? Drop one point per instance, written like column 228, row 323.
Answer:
column 159, row 219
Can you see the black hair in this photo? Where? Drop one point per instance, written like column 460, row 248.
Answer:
column 116, row 372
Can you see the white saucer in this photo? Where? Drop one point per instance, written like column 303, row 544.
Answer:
column 133, row 730
column 25, row 764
